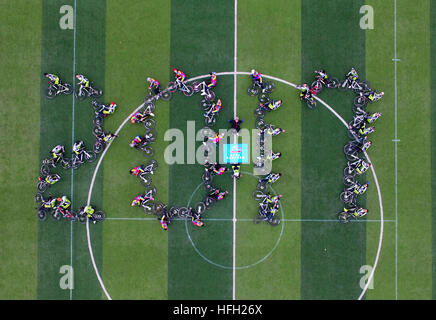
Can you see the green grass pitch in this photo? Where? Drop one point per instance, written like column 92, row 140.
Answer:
column 310, row 255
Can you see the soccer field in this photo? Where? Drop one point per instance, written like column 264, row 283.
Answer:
column 388, row 254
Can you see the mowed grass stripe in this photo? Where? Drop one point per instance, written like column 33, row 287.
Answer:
column 433, row 136
column 19, row 140
column 90, row 61
column 135, row 250
column 277, row 277
column 55, row 128
column 198, row 48
column 380, row 72
column 332, row 254
column 414, row 158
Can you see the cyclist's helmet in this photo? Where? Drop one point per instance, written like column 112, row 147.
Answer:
column 148, row 79
column 113, row 105
column 78, row 76
column 174, row 69
column 253, row 71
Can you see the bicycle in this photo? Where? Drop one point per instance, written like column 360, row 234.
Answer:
column 361, row 101
column 209, row 118
column 262, row 216
column 256, row 87
column 355, row 85
column 148, row 169
column 97, row 216
column 90, row 91
column 165, row 95
column 67, row 214
column 348, row 197
column 209, row 95
column 318, row 84
column 50, row 162
column 51, row 92
column 264, row 184
column 78, row 159
column 43, row 184
column 181, row 86
column 42, row 211
column 347, row 214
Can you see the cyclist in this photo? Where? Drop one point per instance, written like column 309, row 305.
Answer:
column 106, row 109
column 136, row 142
column 180, row 76
column 236, row 171
column 58, row 152
column 164, row 222
column 107, row 137
column 83, row 82
column 215, row 108
column 364, row 131
column 257, row 78
column 54, row 81
column 137, row 170
column 373, row 117
column 323, row 76
column 215, row 139
column 274, row 156
column 356, row 212
column 372, row 95
column 272, row 104
column 49, row 203
column 64, row 202
column 52, row 178
column 271, row 130
column 154, row 85
column 359, row 189
column 78, row 147
column 363, row 166
column 271, row 178
column 352, row 76
column 89, row 211
column 139, row 199
column 139, row 117
column 305, row 91
column 218, row 195
column 212, row 84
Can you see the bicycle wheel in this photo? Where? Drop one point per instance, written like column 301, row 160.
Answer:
column 348, row 172
column 200, row 207
column 316, row 86
column 56, row 215
column 41, row 186
column 343, row 217
column 152, row 135
column 154, row 163
column 360, row 101
column 74, row 216
column 258, row 195
column 352, row 156
column 259, row 218
column 359, row 110
column 262, row 186
column 183, row 212
column 98, row 130
column 205, row 104
column 210, row 121
column 148, row 207
column 208, row 201
column 50, row 93
column 145, row 179
column 158, row 208
column 82, row 96
column 352, row 134
column 98, row 120
column 100, row 216
column 269, row 87
column 166, row 95
column 172, row 87
column 41, row 215
column 81, row 217
column 311, row 103
column 188, row 91
column 96, row 92
column 174, row 211
column 196, row 86
column 68, row 89
column 207, row 177
column 149, row 124
column 45, row 169
column 66, row 163
column 253, row 90
column 260, row 123
column 90, row 156
column 275, row 221
column 343, row 86
column 366, row 85
column 210, row 96
column 333, row 83
column 263, row 97
column 152, row 189
column 149, row 107
column 38, row 198
column 147, row 151
column 98, row 146
column 348, row 180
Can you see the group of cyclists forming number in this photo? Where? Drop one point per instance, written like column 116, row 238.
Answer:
column 359, row 128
